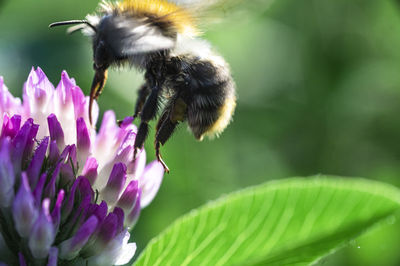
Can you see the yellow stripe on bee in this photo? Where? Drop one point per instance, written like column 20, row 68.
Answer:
column 180, row 18
column 225, row 116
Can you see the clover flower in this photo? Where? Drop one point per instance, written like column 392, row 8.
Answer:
column 68, row 195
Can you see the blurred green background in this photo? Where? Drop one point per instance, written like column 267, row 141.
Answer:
column 319, row 92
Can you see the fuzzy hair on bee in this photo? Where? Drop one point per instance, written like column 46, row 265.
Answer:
column 161, row 39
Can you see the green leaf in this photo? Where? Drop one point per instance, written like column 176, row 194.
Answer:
column 293, row 221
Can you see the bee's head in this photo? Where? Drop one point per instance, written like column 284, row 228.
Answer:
column 121, row 36
column 103, row 53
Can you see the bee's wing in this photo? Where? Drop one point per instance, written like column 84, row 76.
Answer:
column 209, row 12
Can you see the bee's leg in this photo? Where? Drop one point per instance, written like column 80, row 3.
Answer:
column 159, row 158
column 165, row 128
column 143, row 92
column 149, row 111
column 174, row 113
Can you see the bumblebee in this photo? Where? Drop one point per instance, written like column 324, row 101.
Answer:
column 181, row 70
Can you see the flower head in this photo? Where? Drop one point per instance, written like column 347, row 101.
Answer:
column 67, row 193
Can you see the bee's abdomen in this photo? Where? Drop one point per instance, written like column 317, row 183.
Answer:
column 210, row 96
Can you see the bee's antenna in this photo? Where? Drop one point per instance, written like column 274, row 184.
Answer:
column 70, row 22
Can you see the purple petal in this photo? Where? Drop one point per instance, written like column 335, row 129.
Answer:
column 91, row 209
column 7, row 177
column 53, row 256
column 128, row 198
column 85, row 188
column 10, row 126
column 115, row 183
column 19, row 144
column 101, row 211
column 108, row 228
column 150, row 182
column 127, row 121
column 50, row 190
column 67, row 175
column 4, row 126
column 72, row 156
column 133, row 216
column 79, row 215
column 70, row 248
column 38, row 191
column 55, row 130
column 68, row 155
column 21, row 259
column 67, row 171
column 65, row 153
column 43, row 234
column 35, row 166
column 83, row 140
column 83, row 233
column 54, row 153
column 90, row 170
column 120, row 219
column 24, row 210
column 56, row 213
column 69, row 204
column 30, row 143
